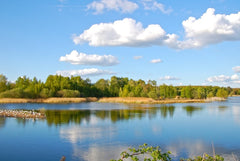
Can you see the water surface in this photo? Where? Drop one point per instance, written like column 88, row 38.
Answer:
column 101, row 131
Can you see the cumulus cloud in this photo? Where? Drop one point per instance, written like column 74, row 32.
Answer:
column 236, row 69
column 156, row 61
column 169, row 78
column 83, row 59
column 210, row 28
column 224, row 79
column 154, row 5
column 137, row 57
column 126, row 32
column 84, row 72
column 123, row 6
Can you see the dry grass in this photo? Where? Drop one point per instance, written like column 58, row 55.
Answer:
column 147, row 100
column 48, row 100
column 138, row 100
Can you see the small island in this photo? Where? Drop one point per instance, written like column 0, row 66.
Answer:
column 26, row 114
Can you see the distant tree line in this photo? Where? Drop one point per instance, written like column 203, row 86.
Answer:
column 75, row 86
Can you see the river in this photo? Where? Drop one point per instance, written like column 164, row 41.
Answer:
column 101, row 131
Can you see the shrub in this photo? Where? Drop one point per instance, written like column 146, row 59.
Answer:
column 68, row 93
column 155, row 154
column 13, row 93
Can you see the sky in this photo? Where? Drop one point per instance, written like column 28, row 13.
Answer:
column 170, row 41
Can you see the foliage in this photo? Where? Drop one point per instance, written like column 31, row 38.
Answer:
column 155, row 154
column 205, row 157
column 60, row 86
column 3, row 83
column 222, row 93
column 68, row 93
column 13, row 93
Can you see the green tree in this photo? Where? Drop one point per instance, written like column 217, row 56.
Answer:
column 115, row 85
column 201, row 93
column 222, row 93
column 22, row 82
column 3, row 83
column 103, row 87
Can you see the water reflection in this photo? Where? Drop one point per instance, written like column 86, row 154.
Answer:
column 77, row 134
column 97, row 152
column 222, row 108
column 59, row 117
column 191, row 109
column 236, row 114
column 2, row 121
column 192, row 148
column 167, row 110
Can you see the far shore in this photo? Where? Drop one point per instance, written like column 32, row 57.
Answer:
column 138, row 100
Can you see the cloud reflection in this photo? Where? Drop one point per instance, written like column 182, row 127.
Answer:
column 236, row 114
column 75, row 133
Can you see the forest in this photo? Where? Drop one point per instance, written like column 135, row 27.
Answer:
column 75, row 86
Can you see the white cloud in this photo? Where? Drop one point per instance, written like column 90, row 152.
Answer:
column 123, row 6
column 84, row 72
column 154, row 5
column 210, row 28
column 220, row 78
column 224, row 79
column 169, row 78
column 234, row 77
column 156, row 61
column 236, row 69
column 126, row 32
column 83, row 59
column 137, row 57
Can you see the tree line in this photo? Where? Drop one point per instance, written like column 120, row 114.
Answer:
column 75, row 86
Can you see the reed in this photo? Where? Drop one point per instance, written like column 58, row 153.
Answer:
column 48, row 100
column 144, row 100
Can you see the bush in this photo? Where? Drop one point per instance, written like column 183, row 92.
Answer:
column 13, row 93
column 155, row 154
column 68, row 93
column 45, row 93
column 153, row 95
column 222, row 93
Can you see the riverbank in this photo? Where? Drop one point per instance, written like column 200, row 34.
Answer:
column 22, row 114
column 48, row 100
column 138, row 100
column 142, row 100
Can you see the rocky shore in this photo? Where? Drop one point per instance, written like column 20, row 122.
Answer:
column 22, row 114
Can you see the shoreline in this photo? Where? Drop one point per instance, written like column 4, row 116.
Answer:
column 53, row 100
column 135, row 100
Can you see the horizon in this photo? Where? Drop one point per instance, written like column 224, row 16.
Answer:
column 174, row 43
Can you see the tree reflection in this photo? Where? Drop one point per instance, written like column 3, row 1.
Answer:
column 2, row 121
column 222, row 108
column 191, row 109
column 167, row 110
column 58, row 117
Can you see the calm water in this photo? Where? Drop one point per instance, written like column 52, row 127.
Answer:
column 100, row 131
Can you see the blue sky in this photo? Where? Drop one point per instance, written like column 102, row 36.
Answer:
column 172, row 42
